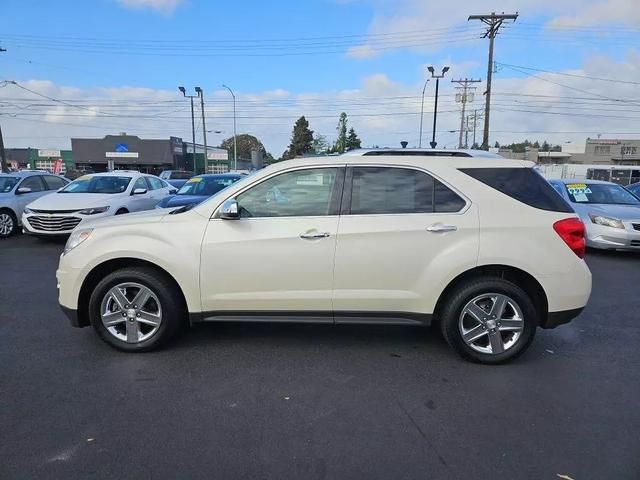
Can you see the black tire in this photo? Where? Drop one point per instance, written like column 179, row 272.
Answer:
column 11, row 217
column 174, row 311
column 122, row 211
column 463, row 294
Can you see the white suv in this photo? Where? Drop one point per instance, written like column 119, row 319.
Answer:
column 478, row 243
column 93, row 196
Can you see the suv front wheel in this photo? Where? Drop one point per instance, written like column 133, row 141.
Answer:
column 489, row 320
column 136, row 309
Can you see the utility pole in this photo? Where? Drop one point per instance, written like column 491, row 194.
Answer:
column 235, row 135
column 4, row 167
column 193, row 126
column 466, row 132
column 464, row 97
column 475, row 120
column 493, row 22
column 200, row 93
column 433, row 142
column 422, row 113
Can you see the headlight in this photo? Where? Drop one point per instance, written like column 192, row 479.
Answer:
column 93, row 211
column 76, row 238
column 606, row 221
column 27, row 210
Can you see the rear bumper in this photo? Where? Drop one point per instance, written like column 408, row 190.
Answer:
column 555, row 319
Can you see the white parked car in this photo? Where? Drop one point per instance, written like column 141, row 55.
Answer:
column 93, row 196
column 478, row 243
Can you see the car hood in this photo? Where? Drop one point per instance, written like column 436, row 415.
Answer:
column 74, row 201
column 621, row 212
column 181, row 200
column 137, row 218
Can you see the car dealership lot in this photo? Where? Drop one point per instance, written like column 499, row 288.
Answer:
column 286, row 401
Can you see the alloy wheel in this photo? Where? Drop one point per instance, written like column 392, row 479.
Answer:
column 491, row 323
column 131, row 312
column 6, row 224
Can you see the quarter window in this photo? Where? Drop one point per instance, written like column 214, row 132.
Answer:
column 387, row 190
column 301, row 193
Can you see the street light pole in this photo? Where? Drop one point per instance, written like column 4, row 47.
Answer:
column 193, row 125
column 235, row 135
column 433, row 142
column 204, row 127
column 422, row 113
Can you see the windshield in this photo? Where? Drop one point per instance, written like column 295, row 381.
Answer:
column 600, row 193
column 97, row 184
column 7, row 183
column 206, row 185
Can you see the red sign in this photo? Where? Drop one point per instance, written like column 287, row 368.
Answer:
column 57, row 166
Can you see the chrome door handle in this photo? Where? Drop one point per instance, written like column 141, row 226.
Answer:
column 312, row 235
column 441, row 227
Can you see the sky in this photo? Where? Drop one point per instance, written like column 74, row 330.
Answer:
column 565, row 69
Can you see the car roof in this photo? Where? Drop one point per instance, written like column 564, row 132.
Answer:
column 118, row 173
column 24, row 173
column 421, row 152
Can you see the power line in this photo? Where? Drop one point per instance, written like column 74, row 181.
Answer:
column 569, row 74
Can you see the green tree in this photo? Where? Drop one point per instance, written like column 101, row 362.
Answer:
column 352, row 140
column 497, row 145
column 301, row 140
column 320, row 144
column 246, row 143
column 341, row 141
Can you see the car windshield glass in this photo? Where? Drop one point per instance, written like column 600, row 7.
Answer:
column 206, row 185
column 7, row 184
column 98, row 184
column 601, row 193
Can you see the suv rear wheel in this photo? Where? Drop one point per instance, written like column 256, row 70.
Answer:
column 136, row 309
column 489, row 320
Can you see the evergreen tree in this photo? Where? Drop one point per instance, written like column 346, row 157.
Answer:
column 352, row 140
column 341, row 141
column 301, row 140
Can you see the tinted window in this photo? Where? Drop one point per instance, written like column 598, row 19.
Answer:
column 292, row 194
column 53, row 183
column 34, row 183
column 600, row 193
column 523, row 184
column 385, row 190
column 446, row 200
column 97, row 184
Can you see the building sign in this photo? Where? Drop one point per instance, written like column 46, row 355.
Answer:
column 217, row 156
column 48, row 153
column 603, row 142
column 121, row 154
column 122, row 147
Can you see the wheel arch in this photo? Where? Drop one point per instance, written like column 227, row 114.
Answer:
column 524, row 280
column 98, row 272
column 11, row 211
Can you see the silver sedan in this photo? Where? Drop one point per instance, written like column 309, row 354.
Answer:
column 610, row 213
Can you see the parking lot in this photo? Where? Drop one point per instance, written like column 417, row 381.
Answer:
column 306, row 402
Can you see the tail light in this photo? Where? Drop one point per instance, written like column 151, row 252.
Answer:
column 571, row 230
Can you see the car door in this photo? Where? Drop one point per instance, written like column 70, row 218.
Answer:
column 401, row 232
column 38, row 189
column 277, row 258
column 54, row 182
column 141, row 201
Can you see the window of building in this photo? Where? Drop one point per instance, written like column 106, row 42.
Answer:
column 629, row 150
column 301, row 193
column 602, row 149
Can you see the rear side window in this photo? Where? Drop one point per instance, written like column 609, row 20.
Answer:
column 387, row 190
column 53, row 183
column 522, row 184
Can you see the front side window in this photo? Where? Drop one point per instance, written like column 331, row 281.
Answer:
column 98, row 184
column 301, row 193
column 140, row 183
column 34, row 183
column 154, row 183
column 600, row 193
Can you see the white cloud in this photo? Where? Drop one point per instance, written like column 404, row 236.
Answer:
column 166, row 7
column 599, row 13
column 361, row 52
column 382, row 111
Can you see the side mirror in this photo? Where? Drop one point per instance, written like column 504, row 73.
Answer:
column 22, row 190
column 173, row 191
column 139, row 191
column 229, row 210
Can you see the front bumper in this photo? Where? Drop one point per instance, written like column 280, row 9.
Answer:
column 599, row 236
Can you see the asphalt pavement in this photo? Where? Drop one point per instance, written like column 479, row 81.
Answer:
column 258, row 401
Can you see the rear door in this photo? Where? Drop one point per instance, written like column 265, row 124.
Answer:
column 401, row 232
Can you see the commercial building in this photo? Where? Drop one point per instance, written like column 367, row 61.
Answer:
column 609, row 151
column 53, row 160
